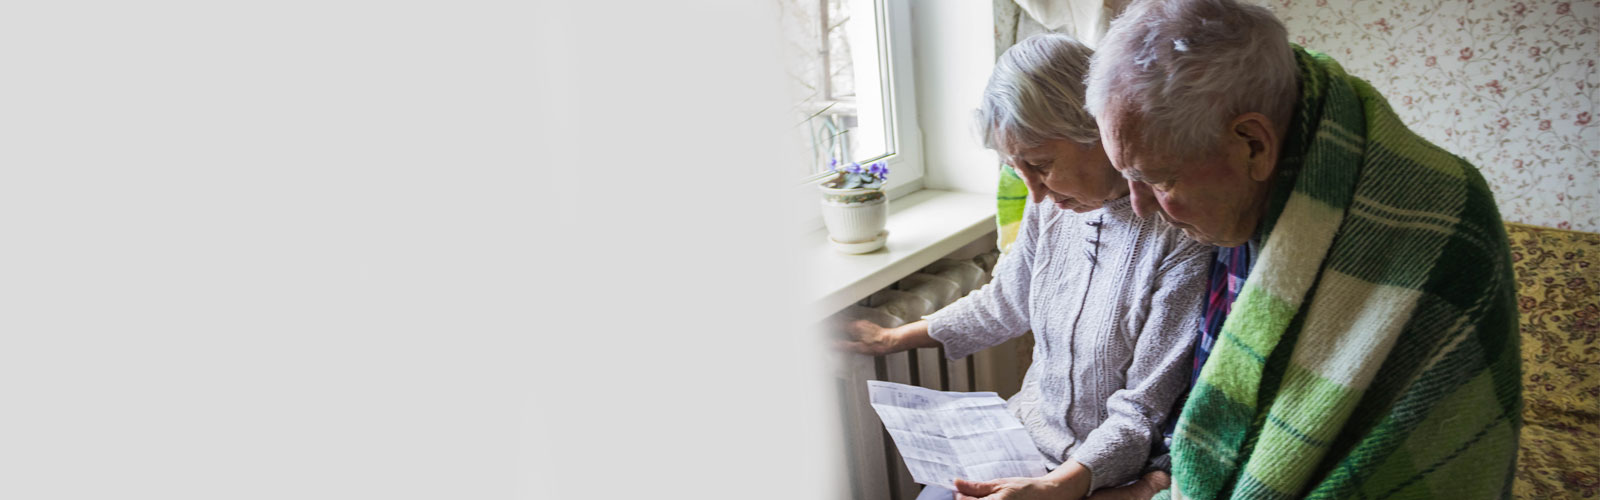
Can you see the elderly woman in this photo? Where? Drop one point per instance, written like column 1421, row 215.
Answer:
column 1113, row 299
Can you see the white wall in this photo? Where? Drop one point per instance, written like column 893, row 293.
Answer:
column 954, row 53
column 391, row 255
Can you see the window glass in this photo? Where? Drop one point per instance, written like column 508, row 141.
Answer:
column 834, row 59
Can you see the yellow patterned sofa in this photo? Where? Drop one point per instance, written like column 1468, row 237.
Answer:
column 1558, row 290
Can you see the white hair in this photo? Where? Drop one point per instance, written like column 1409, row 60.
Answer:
column 1036, row 94
column 1184, row 68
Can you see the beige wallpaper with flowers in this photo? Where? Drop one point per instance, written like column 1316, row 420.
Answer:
column 1510, row 86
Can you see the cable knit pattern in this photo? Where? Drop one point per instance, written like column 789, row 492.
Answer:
column 1114, row 304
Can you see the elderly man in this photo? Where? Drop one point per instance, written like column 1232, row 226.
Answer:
column 1372, row 347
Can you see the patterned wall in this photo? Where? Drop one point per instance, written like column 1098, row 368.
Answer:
column 1510, row 86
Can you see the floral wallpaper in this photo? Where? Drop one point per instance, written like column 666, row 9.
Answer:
column 1508, row 85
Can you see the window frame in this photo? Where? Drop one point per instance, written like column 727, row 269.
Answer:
column 892, row 21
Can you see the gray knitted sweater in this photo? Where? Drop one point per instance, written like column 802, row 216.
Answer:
column 1114, row 302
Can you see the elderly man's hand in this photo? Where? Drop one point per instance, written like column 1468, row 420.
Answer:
column 1143, row 489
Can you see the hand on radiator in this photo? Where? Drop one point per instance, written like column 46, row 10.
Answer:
column 870, row 339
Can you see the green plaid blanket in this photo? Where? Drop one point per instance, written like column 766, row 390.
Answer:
column 1373, row 352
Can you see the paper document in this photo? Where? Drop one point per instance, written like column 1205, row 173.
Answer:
column 949, row 435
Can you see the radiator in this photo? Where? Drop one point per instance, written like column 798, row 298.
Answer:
column 875, row 469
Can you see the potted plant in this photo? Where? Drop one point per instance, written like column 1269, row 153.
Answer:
column 854, row 207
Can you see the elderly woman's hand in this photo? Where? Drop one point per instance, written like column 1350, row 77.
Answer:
column 1069, row 482
column 870, row 339
column 1013, row 488
column 1143, row 489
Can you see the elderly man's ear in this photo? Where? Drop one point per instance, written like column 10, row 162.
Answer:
column 1256, row 140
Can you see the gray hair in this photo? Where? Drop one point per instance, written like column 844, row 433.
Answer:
column 1036, row 94
column 1185, row 68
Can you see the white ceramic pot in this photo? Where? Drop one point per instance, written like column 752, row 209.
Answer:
column 855, row 218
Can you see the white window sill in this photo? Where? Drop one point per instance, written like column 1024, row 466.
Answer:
column 923, row 227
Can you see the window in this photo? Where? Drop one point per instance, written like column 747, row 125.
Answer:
column 850, row 62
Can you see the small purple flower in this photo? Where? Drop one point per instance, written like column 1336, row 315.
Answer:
column 833, row 164
column 854, row 168
column 879, row 169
